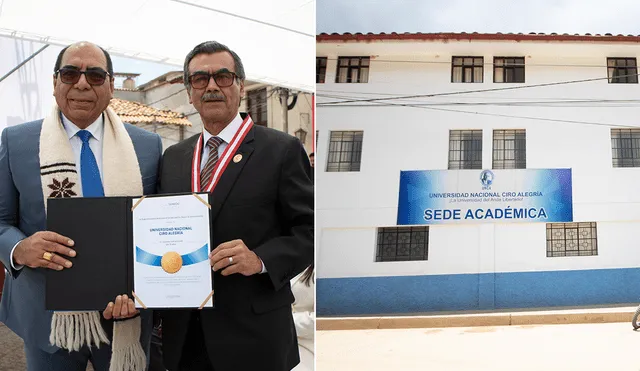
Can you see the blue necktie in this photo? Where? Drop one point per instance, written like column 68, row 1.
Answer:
column 91, row 183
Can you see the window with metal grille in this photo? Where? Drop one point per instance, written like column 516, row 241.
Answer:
column 508, row 69
column 465, row 149
column 257, row 106
column 509, row 149
column 345, row 151
column 353, row 70
column 622, row 70
column 467, row 69
column 321, row 69
column 625, row 147
column 572, row 239
column 402, row 244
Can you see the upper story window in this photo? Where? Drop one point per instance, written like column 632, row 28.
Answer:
column 353, row 70
column 321, row 69
column 465, row 149
column 509, row 149
column 508, row 69
column 625, row 147
column 345, row 151
column 467, row 69
column 622, row 70
column 257, row 106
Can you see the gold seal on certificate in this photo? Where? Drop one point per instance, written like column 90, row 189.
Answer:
column 171, row 262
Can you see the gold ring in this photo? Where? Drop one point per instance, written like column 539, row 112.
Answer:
column 47, row 256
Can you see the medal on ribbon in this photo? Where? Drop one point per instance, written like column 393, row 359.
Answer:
column 222, row 162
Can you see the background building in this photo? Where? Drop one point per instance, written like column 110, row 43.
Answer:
column 168, row 124
column 472, row 102
column 263, row 102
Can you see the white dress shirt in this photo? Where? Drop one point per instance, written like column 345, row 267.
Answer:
column 226, row 135
column 95, row 143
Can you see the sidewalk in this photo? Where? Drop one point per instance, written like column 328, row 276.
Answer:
column 541, row 316
column 12, row 351
column 573, row 347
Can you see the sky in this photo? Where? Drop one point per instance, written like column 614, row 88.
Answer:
column 263, row 33
column 560, row 16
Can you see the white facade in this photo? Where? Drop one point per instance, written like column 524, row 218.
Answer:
column 491, row 258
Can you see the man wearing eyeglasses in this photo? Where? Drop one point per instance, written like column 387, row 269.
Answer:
column 81, row 149
column 262, row 226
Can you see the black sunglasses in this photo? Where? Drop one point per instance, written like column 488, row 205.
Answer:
column 223, row 78
column 95, row 76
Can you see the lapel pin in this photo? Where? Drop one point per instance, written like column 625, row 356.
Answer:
column 237, row 158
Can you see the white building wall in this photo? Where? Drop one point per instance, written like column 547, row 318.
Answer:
column 350, row 206
column 130, row 95
column 169, row 96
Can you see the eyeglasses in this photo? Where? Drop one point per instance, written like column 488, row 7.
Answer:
column 95, row 76
column 223, row 78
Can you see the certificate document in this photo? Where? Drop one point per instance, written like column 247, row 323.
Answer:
column 171, row 243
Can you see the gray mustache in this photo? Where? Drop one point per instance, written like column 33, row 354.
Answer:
column 207, row 97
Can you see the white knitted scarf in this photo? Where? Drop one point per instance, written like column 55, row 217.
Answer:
column 121, row 174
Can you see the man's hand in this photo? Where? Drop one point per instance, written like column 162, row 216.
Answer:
column 33, row 251
column 235, row 257
column 123, row 308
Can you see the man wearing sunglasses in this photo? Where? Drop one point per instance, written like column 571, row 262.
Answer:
column 81, row 149
column 262, row 226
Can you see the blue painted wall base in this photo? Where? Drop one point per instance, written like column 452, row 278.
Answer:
column 415, row 294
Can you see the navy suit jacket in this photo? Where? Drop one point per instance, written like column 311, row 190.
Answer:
column 22, row 214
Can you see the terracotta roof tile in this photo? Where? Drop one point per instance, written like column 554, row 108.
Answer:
column 138, row 113
column 531, row 36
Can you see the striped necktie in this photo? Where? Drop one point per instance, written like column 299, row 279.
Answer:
column 213, row 143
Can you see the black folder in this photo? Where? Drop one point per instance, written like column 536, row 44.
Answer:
column 103, row 267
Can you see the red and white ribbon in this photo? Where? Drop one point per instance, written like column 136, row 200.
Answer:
column 222, row 162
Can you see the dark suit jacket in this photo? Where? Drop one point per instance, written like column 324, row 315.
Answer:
column 266, row 200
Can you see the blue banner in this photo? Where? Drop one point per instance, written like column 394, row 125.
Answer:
column 485, row 196
column 194, row 257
